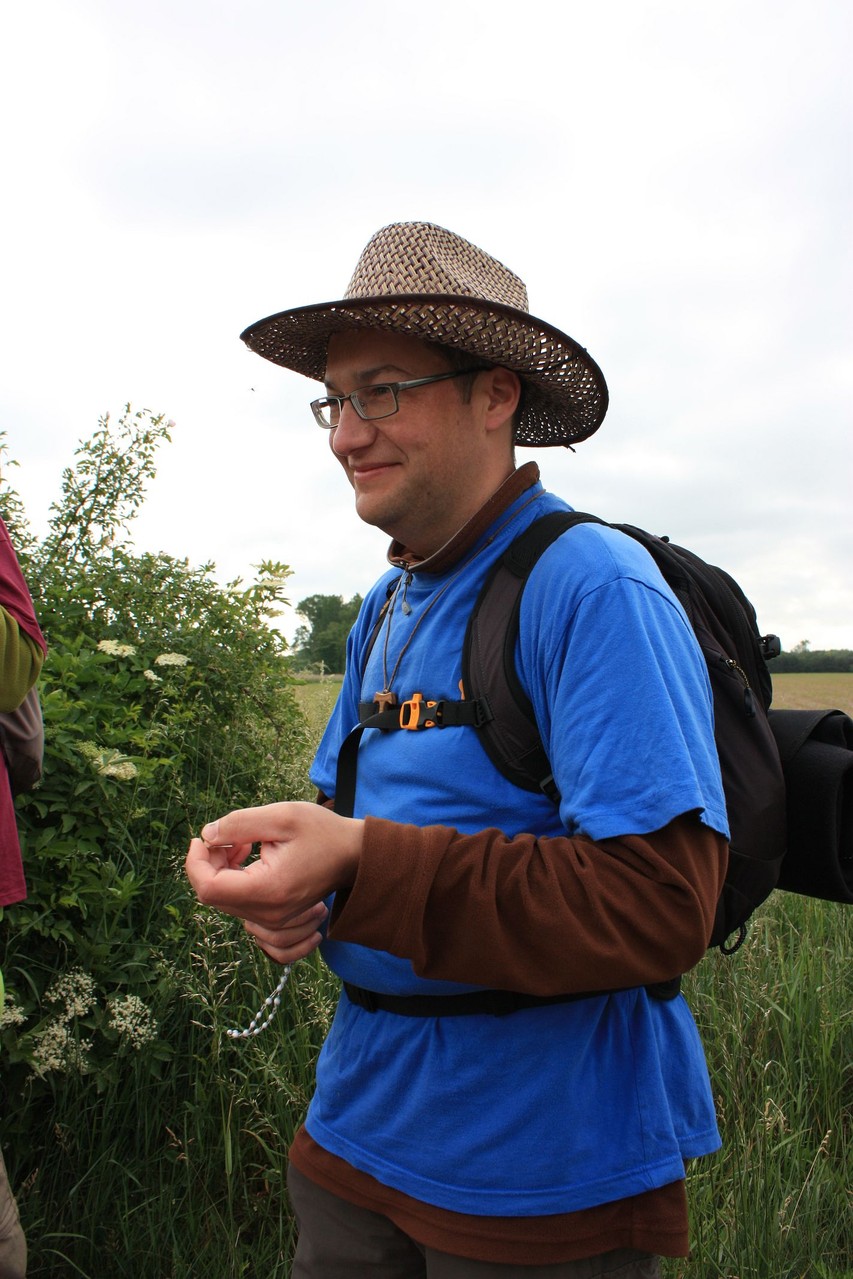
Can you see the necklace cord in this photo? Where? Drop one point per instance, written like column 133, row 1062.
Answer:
column 407, row 577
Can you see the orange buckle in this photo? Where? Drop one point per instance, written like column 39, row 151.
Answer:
column 411, row 711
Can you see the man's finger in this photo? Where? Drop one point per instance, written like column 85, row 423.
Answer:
column 283, row 931
column 218, row 884
column 267, row 823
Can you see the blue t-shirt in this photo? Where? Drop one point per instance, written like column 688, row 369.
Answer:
column 563, row 1107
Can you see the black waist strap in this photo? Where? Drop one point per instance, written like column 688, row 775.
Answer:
column 498, row 1003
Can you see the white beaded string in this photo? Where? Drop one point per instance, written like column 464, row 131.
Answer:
column 273, row 1002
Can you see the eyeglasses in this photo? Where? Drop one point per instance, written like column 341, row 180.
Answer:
column 372, row 402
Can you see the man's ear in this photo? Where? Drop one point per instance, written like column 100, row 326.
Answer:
column 503, row 390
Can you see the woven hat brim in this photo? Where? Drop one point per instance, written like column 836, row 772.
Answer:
column 565, row 392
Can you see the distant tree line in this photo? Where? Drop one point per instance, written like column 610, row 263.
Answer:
column 802, row 658
column 321, row 645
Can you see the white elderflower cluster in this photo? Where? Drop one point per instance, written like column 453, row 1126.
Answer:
column 171, row 659
column 76, row 991
column 12, row 1015
column 56, row 1047
column 107, row 763
column 152, row 676
column 115, row 649
column 128, row 1015
column 122, row 769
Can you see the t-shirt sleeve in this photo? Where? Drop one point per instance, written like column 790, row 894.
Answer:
column 620, row 690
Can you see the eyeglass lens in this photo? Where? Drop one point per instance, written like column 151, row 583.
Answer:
column 369, row 402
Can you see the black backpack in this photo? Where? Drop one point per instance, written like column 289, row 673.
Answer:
column 760, row 780
column 787, row 774
column 736, row 656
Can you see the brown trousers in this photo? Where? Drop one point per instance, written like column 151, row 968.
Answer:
column 337, row 1240
column 13, row 1245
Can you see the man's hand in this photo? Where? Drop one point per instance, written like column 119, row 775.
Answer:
column 306, row 853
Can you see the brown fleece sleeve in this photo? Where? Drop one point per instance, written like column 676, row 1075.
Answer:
column 535, row 915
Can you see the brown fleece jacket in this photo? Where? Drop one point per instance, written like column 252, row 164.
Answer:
column 543, row 916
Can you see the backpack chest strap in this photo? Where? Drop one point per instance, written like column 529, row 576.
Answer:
column 419, row 712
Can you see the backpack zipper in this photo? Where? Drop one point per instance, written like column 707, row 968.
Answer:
column 748, row 696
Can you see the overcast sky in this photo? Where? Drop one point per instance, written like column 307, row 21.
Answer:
column 671, row 179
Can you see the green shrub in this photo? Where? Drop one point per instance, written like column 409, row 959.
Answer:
column 168, row 699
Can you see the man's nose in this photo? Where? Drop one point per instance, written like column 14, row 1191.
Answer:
column 352, row 431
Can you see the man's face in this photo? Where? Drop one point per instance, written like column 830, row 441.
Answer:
column 420, row 474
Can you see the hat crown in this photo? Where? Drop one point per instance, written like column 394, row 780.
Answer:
column 423, row 282
column 408, row 258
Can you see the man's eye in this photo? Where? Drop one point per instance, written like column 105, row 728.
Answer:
column 376, row 394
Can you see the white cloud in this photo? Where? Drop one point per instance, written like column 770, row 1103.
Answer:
column 673, row 181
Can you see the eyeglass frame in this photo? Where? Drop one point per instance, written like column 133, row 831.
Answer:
column 393, row 387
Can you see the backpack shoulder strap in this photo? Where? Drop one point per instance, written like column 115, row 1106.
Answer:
column 510, row 736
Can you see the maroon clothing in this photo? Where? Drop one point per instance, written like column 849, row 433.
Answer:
column 654, row 1222
column 23, row 652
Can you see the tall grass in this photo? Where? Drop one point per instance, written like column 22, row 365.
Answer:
column 777, row 1022
column 181, row 1174
column 777, row 1025
column 317, row 700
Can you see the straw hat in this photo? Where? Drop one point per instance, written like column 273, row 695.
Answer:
column 417, row 279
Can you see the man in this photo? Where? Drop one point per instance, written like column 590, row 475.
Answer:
column 443, row 1140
